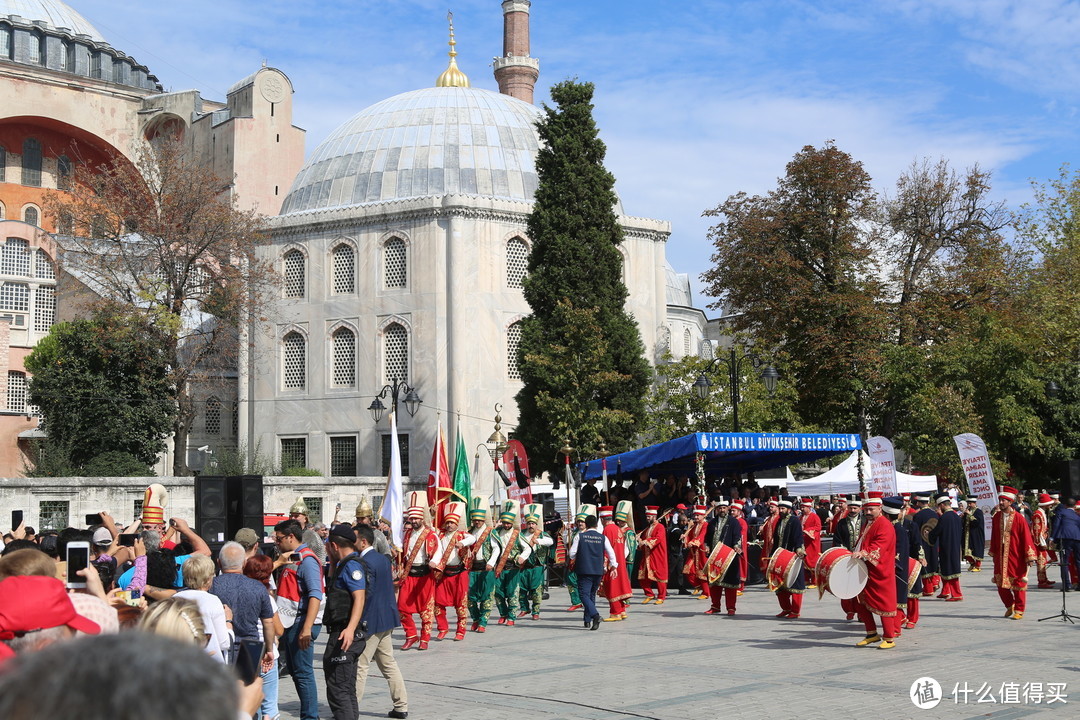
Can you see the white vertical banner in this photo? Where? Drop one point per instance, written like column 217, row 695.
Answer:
column 393, row 507
column 882, row 465
column 979, row 474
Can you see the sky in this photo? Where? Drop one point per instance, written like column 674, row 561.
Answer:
column 696, row 100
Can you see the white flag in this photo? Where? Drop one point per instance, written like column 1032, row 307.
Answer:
column 393, row 506
column 882, row 465
column 980, row 476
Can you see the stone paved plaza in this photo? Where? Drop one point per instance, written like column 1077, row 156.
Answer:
column 672, row 662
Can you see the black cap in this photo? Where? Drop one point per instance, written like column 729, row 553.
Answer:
column 344, row 531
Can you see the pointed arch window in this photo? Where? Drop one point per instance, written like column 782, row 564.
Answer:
column 513, row 345
column 31, row 216
column 294, row 274
column 517, row 262
column 3, row 150
column 686, row 342
column 344, row 344
column 395, row 264
column 294, row 361
column 344, row 264
column 395, row 353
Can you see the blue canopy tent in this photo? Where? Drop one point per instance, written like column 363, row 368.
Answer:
column 725, row 453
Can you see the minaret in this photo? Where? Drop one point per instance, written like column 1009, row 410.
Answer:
column 515, row 71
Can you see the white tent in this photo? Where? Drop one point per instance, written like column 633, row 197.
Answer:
column 844, row 478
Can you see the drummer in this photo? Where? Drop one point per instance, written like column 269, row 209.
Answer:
column 789, row 536
column 893, row 508
column 877, row 545
column 725, row 582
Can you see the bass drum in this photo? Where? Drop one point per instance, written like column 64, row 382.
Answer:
column 841, row 573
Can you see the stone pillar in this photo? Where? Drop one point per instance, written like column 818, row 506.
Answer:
column 515, row 71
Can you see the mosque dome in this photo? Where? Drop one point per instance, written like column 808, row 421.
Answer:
column 54, row 14
column 430, row 142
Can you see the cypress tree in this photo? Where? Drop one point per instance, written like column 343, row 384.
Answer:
column 581, row 355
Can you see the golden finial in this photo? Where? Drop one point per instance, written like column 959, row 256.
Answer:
column 452, row 77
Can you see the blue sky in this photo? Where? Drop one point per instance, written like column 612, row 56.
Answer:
column 695, row 100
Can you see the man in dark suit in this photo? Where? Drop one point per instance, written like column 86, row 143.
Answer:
column 1066, row 533
column 380, row 617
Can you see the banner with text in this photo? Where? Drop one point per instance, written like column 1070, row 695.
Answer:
column 882, row 465
column 980, row 476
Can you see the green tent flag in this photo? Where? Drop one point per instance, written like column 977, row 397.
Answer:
column 462, row 481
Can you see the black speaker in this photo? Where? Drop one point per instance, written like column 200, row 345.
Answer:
column 223, row 505
column 211, row 507
column 1070, row 478
column 250, row 494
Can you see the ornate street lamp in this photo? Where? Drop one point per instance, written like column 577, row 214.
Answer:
column 769, row 375
column 395, row 388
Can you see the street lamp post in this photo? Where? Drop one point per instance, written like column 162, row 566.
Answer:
column 496, row 445
column 395, row 388
column 732, row 363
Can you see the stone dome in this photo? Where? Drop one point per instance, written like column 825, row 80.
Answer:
column 431, row 142
column 54, row 14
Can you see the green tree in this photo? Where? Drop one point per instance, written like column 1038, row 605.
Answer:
column 162, row 235
column 673, row 408
column 577, row 296
column 798, row 267
column 104, row 387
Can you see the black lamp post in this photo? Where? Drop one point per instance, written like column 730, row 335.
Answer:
column 732, row 363
column 395, row 388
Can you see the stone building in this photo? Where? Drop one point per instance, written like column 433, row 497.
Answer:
column 401, row 241
column 67, row 96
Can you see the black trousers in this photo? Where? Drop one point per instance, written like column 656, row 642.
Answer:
column 340, row 671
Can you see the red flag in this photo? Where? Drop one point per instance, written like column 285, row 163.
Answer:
column 440, row 484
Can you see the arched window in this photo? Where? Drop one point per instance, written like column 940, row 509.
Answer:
column 63, row 172
column 15, row 257
column 44, row 308
column 36, row 47
column 31, row 163
column 344, row 342
column 344, row 262
column 395, row 261
column 517, row 262
column 395, row 353
column 17, row 391
column 30, row 215
column 3, row 150
column 213, row 416
column 7, row 43
column 294, row 361
column 43, row 266
column 294, row 274
column 513, row 344
column 686, row 342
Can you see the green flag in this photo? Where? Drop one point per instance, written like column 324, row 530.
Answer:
column 462, row 481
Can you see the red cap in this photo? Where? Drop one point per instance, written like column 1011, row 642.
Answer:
column 873, row 498
column 680, row 506
column 773, row 501
column 1009, row 493
column 1045, row 499
column 35, row 602
column 700, row 510
column 607, row 510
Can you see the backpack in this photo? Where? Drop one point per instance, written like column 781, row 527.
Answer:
column 289, row 598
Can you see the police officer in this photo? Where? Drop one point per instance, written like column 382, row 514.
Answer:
column 345, row 639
